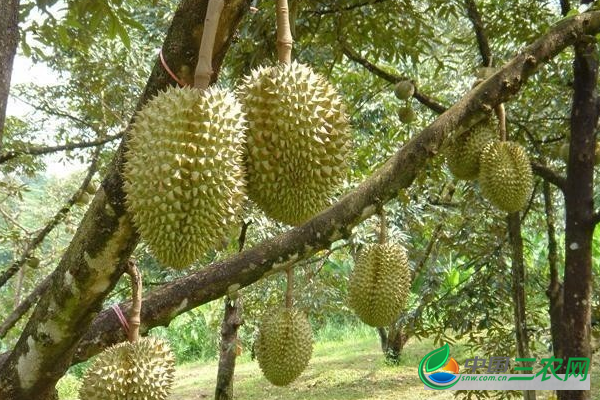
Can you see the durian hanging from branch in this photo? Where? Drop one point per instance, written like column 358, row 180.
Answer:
column 284, row 343
column 184, row 176
column 139, row 369
column 298, row 140
column 379, row 285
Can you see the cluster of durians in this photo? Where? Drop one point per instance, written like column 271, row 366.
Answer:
column 405, row 90
column 502, row 168
column 193, row 155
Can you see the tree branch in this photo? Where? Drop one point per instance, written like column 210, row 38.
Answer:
column 40, row 150
column 482, row 40
column 54, row 221
column 549, row 175
column 243, row 269
column 9, row 26
column 427, row 101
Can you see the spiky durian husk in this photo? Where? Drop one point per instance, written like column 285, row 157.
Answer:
column 462, row 155
column 298, row 141
column 184, row 174
column 284, row 345
column 380, row 284
column 134, row 371
column 505, row 177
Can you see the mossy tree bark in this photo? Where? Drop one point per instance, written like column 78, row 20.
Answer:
column 9, row 26
column 579, row 203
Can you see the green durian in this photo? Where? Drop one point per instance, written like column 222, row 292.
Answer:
column 143, row 370
column 184, row 176
column 407, row 115
column 284, row 345
column 505, row 176
column 298, row 141
column 404, row 90
column 464, row 150
column 379, row 285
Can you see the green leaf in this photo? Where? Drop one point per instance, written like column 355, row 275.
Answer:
column 437, row 358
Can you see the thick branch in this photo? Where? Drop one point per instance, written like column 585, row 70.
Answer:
column 549, row 175
column 482, row 40
column 243, row 269
column 427, row 101
column 40, row 150
column 54, row 221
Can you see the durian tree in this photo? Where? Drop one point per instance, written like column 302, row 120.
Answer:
column 67, row 325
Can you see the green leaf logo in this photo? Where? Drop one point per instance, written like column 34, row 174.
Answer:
column 437, row 358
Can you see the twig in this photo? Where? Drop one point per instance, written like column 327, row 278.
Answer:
column 284, row 33
column 242, row 238
column 24, row 306
column 204, row 68
column 136, row 301
column 382, row 226
column 427, row 101
column 37, row 151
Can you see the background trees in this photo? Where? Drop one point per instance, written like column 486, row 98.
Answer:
column 462, row 257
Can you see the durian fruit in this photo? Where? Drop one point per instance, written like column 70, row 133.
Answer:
column 407, row 115
column 33, row 262
column 505, row 176
column 183, row 174
column 380, row 284
column 142, row 370
column 298, row 141
column 404, row 90
column 284, row 345
column 462, row 154
column 83, row 199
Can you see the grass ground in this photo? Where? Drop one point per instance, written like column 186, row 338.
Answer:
column 346, row 365
column 348, row 369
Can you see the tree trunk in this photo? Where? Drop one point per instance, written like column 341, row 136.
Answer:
column 9, row 26
column 555, row 289
column 579, row 204
column 229, row 348
column 396, row 339
column 518, row 291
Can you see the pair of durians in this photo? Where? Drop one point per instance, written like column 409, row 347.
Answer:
column 503, row 168
column 193, row 155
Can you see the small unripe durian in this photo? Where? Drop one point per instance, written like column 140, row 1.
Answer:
column 83, row 199
column 380, row 284
column 462, row 155
column 298, row 141
column 284, row 345
column 33, row 262
column 406, row 114
column 91, row 188
column 184, row 175
column 142, row 370
column 505, row 176
column 404, row 90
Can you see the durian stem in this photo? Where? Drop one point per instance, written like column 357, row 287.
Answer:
column 284, row 33
column 289, row 293
column 501, row 114
column 136, row 301
column 382, row 226
column 204, row 69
